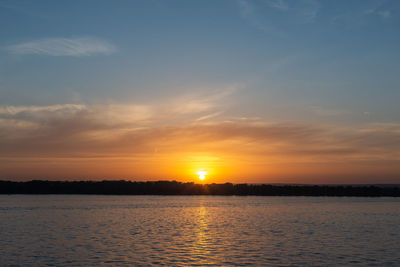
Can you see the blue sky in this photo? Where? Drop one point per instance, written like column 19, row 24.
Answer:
column 334, row 64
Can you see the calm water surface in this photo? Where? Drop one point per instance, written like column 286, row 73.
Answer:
column 198, row 230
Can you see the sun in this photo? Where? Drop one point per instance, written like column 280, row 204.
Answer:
column 202, row 175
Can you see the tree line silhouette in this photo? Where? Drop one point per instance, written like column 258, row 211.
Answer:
column 179, row 188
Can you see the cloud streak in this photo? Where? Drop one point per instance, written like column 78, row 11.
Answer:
column 259, row 15
column 110, row 139
column 278, row 4
column 129, row 129
column 154, row 134
column 384, row 14
column 76, row 47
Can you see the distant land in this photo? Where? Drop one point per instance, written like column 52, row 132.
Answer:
column 122, row 187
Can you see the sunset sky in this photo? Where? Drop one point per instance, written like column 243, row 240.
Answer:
column 268, row 91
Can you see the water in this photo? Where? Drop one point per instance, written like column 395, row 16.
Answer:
column 69, row 230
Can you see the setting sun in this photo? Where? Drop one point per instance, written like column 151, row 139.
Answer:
column 202, row 175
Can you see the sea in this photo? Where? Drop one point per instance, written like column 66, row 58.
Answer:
column 94, row 230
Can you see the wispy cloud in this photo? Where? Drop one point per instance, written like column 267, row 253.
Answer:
column 70, row 129
column 258, row 13
column 181, row 109
column 154, row 134
column 13, row 110
column 209, row 116
column 278, row 4
column 194, row 103
column 309, row 10
column 81, row 46
column 249, row 11
column 42, row 136
column 378, row 10
column 358, row 16
column 384, row 14
column 246, row 8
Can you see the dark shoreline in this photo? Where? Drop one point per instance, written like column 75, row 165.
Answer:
column 179, row 188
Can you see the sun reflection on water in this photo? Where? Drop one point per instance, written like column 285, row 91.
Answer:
column 202, row 247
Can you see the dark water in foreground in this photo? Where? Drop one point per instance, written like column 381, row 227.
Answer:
column 198, row 230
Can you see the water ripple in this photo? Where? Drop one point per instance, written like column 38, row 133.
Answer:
column 198, row 231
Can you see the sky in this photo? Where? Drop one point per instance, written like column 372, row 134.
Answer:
column 250, row 91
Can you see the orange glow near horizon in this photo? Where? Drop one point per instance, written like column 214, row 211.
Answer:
column 181, row 158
